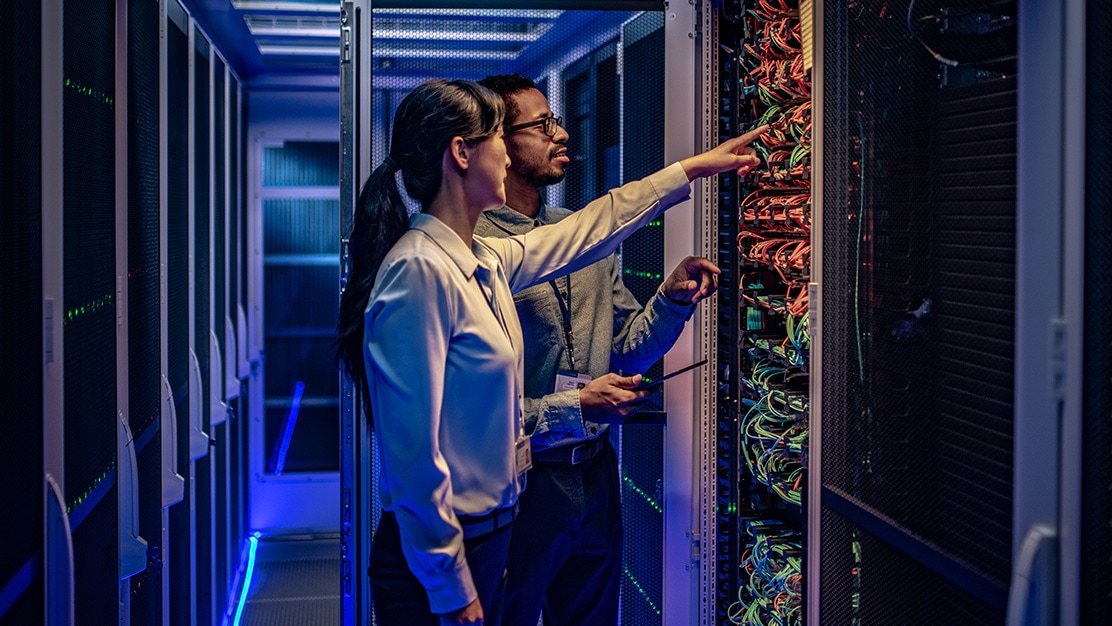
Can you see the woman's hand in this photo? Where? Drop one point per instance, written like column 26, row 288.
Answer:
column 471, row 614
column 732, row 154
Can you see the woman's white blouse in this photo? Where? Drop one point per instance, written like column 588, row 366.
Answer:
column 445, row 366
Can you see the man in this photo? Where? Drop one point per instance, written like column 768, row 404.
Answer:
column 566, row 553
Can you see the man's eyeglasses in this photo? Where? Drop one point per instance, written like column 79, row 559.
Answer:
column 548, row 124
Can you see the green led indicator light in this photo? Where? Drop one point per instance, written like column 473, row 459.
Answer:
column 88, row 308
column 640, row 274
column 641, row 590
column 653, row 503
column 89, row 91
column 84, row 496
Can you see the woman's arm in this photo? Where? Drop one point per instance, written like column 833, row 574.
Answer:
column 596, row 230
column 408, row 327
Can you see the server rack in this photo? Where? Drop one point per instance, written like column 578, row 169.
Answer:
column 931, row 299
column 764, row 339
column 23, row 339
column 108, row 160
column 357, row 522
column 1093, row 580
column 146, row 336
column 202, row 57
column 182, row 371
column 918, row 294
column 94, row 471
column 58, row 549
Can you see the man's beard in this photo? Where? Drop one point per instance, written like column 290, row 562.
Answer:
column 538, row 177
column 540, row 180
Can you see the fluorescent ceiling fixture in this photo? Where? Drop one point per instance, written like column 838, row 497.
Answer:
column 293, row 7
column 413, row 53
column 459, row 30
column 278, row 26
column 434, row 35
column 533, row 14
column 300, row 51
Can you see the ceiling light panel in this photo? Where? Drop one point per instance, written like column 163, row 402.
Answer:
column 458, row 30
column 292, row 26
column 487, row 14
column 275, row 49
column 425, row 53
column 283, row 6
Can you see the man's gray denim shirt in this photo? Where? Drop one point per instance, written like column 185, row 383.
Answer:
column 611, row 332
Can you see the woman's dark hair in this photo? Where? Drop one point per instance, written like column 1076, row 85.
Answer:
column 424, row 125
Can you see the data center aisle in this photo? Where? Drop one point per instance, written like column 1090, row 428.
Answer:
column 294, row 581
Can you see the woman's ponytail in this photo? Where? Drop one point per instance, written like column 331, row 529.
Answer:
column 380, row 221
column 426, row 121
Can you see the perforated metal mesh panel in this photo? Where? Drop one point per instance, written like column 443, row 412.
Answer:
column 236, row 177
column 146, row 586
column 203, row 319
column 144, row 326
column 96, row 577
column 641, row 153
column 143, row 284
column 867, row 581
column 177, row 210
column 177, row 296
column 220, row 531
column 243, row 221
column 89, row 307
column 919, row 279
column 219, row 317
column 89, row 246
column 1096, row 577
column 220, row 209
column 21, row 337
column 202, row 206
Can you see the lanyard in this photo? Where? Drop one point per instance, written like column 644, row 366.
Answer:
column 565, row 309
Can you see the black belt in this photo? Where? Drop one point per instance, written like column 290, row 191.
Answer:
column 571, row 455
column 479, row 525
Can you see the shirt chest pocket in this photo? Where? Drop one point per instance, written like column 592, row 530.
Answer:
column 540, row 316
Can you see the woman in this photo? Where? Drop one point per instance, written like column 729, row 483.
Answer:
column 429, row 332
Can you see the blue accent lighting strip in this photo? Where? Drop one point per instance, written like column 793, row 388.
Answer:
column 253, row 542
column 291, row 421
column 14, row 589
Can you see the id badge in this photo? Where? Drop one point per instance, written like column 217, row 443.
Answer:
column 523, row 455
column 567, row 380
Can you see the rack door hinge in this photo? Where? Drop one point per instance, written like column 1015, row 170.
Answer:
column 1058, row 336
column 48, row 330
column 696, row 549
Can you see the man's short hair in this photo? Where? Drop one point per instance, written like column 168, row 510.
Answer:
column 507, row 85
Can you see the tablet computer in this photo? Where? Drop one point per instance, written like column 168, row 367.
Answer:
column 653, row 384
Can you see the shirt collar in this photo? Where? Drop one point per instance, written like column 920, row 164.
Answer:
column 516, row 223
column 466, row 259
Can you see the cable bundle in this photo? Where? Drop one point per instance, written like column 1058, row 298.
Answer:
column 772, row 566
column 774, row 247
column 775, row 217
column 774, row 437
